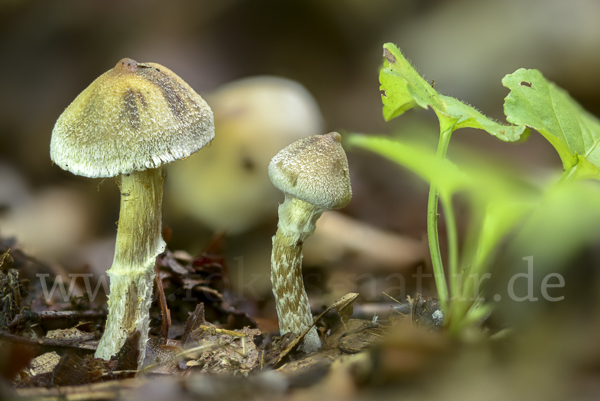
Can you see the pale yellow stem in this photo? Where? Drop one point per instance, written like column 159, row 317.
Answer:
column 139, row 242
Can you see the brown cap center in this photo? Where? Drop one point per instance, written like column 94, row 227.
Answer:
column 126, row 65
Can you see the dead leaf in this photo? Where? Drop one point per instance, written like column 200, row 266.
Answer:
column 73, row 334
column 344, row 306
column 44, row 363
column 71, row 370
column 127, row 357
column 195, row 320
column 10, row 297
column 237, row 354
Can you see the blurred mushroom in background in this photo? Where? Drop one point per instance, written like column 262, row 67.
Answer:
column 227, row 186
column 49, row 222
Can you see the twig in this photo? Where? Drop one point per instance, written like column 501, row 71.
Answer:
column 46, row 342
column 209, row 347
column 4, row 255
column 162, row 302
column 392, row 298
column 46, row 316
column 214, row 330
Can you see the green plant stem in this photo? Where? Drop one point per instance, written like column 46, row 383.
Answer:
column 465, row 302
column 568, row 176
column 452, row 233
column 432, row 228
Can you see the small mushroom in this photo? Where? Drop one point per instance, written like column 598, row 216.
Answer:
column 313, row 174
column 128, row 123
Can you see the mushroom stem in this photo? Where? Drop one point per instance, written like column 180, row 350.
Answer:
column 297, row 221
column 139, row 242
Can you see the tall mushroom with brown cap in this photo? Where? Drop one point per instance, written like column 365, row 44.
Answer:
column 128, row 123
column 313, row 174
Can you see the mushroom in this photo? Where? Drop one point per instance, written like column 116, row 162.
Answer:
column 257, row 117
column 313, row 174
column 128, row 123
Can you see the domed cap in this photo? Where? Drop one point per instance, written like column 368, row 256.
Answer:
column 134, row 117
column 314, row 169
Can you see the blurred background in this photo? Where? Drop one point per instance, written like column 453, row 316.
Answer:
column 330, row 53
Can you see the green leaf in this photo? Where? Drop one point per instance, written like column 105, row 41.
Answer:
column 469, row 116
column 486, row 183
column 500, row 217
column 422, row 161
column 540, row 104
column 561, row 226
column 405, row 89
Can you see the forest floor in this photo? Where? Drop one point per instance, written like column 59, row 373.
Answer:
column 208, row 349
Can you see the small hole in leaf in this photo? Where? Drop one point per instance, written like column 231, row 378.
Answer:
column 525, row 83
column 382, row 92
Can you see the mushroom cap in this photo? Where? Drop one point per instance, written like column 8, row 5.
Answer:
column 134, row 117
column 314, row 169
